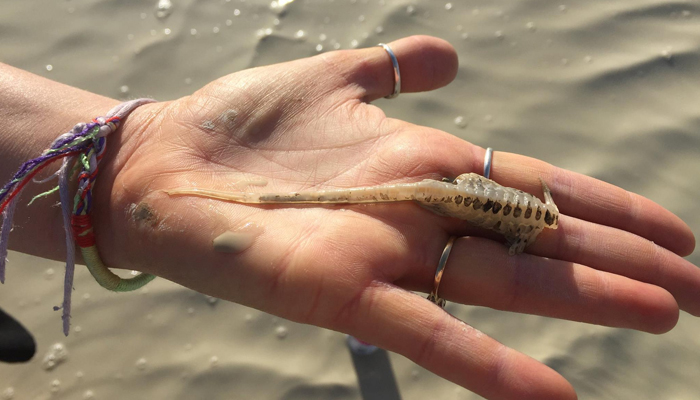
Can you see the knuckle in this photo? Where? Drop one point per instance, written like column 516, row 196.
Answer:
column 428, row 352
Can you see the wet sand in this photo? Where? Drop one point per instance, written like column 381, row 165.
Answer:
column 605, row 88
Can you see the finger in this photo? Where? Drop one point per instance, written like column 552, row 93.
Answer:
column 622, row 253
column 403, row 322
column 480, row 272
column 426, row 63
column 592, row 200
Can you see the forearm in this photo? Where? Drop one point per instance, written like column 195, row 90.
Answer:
column 33, row 112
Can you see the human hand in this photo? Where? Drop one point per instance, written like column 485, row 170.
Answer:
column 307, row 124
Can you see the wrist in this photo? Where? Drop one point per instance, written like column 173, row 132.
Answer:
column 114, row 192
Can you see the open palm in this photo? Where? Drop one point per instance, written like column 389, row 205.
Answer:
column 308, row 124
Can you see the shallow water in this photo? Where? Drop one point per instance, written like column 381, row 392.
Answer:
column 605, row 88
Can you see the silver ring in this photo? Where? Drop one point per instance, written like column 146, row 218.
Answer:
column 438, row 274
column 487, row 162
column 397, row 72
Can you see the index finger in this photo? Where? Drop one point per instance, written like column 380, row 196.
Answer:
column 593, row 200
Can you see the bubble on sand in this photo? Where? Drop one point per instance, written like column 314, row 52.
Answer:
column 49, row 274
column 8, row 394
column 163, row 9
column 281, row 332
column 267, row 32
column 461, row 122
column 56, row 355
column 89, row 394
column 448, row 6
column 415, row 374
column 49, row 67
column 280, row 6
column 124, row 89
column 167, row 31
column 55, row 385
column 499, row 35
column 141, row 364
column 411, row 10
column 666, row 53
column 236, row 12
column 79, row 375
column 212, row 300
column 588, row 59
column 299, row 34
column 319, row 48
column 213, row 361
column 531, row 26
column 562, row 8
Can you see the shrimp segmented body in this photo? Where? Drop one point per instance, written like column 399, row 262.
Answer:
column 517, row 215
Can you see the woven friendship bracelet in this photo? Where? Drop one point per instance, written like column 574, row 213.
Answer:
column 81, row 150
